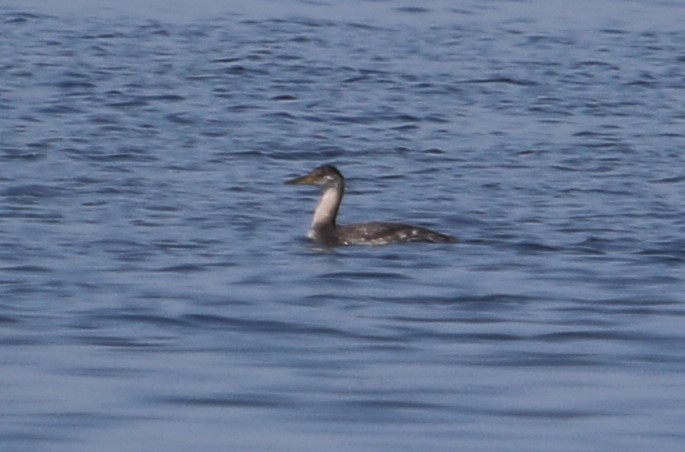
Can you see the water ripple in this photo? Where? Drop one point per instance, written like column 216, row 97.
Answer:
column 154, row 271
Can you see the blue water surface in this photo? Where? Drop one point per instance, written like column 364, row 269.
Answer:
column 157, row 291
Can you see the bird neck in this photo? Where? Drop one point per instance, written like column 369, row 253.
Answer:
column 326, row 211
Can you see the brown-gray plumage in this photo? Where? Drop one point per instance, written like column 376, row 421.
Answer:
column 325, row 231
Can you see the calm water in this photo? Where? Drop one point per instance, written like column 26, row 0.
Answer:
column 156, row 289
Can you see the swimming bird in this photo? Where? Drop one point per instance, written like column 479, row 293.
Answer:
column 325, row 231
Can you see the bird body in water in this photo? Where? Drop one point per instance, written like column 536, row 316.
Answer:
column 325, row 231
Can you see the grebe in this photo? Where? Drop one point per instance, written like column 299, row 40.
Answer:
column 325, row 231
